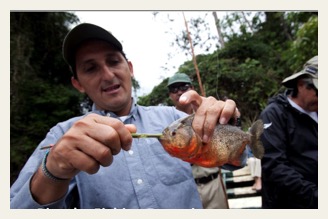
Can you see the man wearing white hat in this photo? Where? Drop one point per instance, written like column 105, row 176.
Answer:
column 290, row 138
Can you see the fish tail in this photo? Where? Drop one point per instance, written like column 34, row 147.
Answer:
column 256, row 145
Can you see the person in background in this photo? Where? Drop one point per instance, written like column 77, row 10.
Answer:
column 254, row 165
column 209, row 180
column 93, row 161
column 290, row 139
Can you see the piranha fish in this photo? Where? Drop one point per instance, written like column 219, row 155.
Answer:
column 225, row 147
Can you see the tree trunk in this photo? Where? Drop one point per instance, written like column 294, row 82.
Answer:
column 218, row 28
column 194, row 59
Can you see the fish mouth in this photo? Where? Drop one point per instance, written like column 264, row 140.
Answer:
column 163, row 138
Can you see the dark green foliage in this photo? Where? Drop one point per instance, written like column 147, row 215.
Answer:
column 251, row 66
column 305, row 44
column 161, row 97
column 40, row 91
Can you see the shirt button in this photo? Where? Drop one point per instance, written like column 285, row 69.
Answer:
column 139, row 181
column 130, row 152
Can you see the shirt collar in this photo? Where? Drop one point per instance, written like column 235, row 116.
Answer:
column 132, row 113
column 313, row 115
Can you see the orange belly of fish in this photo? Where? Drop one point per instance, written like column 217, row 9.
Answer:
column 213, row 156
column 184, row 153
column 205, row 156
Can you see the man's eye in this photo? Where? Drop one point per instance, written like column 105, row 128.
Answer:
column 90, row 68
column 113, row 61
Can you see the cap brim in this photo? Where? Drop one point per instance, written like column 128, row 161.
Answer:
column 289, row 81
column 179, row 81
column 83, row 32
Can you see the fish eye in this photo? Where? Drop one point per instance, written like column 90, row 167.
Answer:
column 173, row 133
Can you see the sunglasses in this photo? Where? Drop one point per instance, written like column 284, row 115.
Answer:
column 182, row 87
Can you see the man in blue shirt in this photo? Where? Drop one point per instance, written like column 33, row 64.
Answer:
column 94, row 162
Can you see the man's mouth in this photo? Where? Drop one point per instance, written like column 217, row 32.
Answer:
column 111, row 89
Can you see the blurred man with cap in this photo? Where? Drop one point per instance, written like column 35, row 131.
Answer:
column 290, row 138
column 209, row 181
column 93, row 162
column 178, row 84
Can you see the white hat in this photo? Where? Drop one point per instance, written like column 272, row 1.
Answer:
column 310, row 68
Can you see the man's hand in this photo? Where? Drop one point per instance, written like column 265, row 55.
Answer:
column 208, row 111
column 89, row 143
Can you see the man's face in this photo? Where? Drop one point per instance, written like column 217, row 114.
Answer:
column 176, row 90
column 104, row 75
column 308, row 95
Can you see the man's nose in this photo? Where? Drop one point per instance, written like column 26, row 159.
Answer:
column 107, row 73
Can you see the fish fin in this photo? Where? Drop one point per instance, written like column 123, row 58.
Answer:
column 256, row 145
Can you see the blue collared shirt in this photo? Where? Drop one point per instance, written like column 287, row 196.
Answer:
column 144, row 177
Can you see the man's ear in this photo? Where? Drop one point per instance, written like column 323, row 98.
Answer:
column 131, row 68
column 77, row 85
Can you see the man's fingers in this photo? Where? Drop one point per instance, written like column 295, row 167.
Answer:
column 93, row 140
column 212, row 115
column 191, row 97
column 112, row 132
column 208, row 112
column 132, row 128
column 227, row 111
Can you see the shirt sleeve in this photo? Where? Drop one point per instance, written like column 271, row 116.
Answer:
column 20, row 193
column 23, row 199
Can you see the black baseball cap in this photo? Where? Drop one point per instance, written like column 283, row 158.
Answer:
column 81, row 33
